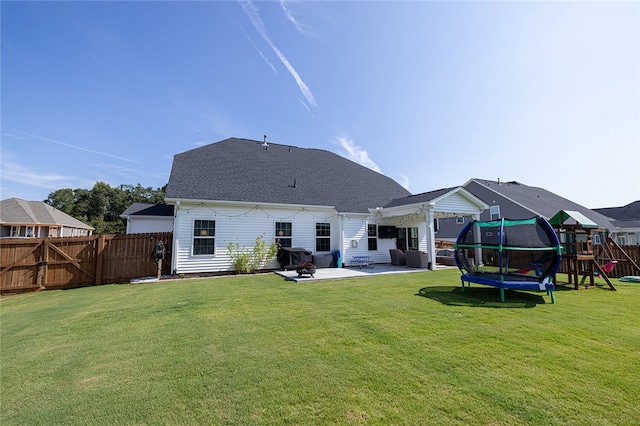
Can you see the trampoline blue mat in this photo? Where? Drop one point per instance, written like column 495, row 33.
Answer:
column 512, row 281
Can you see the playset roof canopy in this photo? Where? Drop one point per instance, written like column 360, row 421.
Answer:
column 570, row 217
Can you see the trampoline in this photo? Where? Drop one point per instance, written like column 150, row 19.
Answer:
column 512, row 254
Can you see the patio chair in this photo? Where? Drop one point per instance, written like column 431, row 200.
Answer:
column 398, row 258
column 417, row 259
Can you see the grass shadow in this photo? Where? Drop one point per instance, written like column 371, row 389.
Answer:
column 485, row 297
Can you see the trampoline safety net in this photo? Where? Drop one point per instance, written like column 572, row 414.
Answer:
column 509, row 250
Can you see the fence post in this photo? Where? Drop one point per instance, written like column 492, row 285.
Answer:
column 42, row 265
column 99, row 258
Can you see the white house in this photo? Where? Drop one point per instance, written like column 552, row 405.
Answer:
column 238, row 190
column 145, row 217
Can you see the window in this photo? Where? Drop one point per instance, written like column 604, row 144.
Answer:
column 323, row 237
column 372, row 233
column 459, row 220
column 494, row 211
column 204, row 233
column 633, row 241
column 413, row 238
column 283, row 233
column 622, row 240
column 407, row 239
column 15, row 231
column 436, row 224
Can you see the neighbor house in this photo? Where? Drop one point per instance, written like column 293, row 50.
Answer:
column 36, row 219
column 145, row 217
column 237, row 190
column 626, row 220
column 514, row 200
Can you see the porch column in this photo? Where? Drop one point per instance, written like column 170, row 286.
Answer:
column 431, row 238
column 477, row 237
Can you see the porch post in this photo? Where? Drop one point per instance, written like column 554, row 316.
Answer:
column 477, row 237
column 431, row 238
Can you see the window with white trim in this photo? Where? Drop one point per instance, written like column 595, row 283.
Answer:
column 284, row 233
column 204, row 237
column 459, row 220
column 323, row 237
column 494, row 211
column 413, row 238
column 372, row 234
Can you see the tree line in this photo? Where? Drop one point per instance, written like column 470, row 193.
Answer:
column 102, row 205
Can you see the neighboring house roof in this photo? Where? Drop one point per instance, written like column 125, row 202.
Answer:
column 15, row 211
column 625, row 224
column 245, row 170
column 540, row 201
column 624, row 217
column 628, row 212
column 147, row 209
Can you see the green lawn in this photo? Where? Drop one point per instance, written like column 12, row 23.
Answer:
column 403, row 349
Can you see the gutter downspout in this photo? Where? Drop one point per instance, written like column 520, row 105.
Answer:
column 341, row 236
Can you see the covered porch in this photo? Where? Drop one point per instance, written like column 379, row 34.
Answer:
column 418, row 216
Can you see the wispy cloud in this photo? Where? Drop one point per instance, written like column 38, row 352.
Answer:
column 404, row 181
column 253, row 14
column 259, row 51
column 79, row 148
column 14, row 172
column 306, row 107
column 356, row 153
column 292, row 18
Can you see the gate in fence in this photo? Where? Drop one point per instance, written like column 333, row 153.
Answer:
column 30, row 264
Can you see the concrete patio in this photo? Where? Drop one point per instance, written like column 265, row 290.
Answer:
column 353, row 272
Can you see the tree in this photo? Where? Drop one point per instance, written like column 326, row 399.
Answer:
column 102, row 206
column 63, row 200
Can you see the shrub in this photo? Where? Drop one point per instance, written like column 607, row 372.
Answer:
column 248, row 262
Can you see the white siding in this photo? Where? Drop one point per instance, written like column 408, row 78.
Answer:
column 456, row 203
column 141, row 225
column 242, row 224
column 355, row 229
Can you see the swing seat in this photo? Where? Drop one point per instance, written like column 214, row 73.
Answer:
column 608, row 267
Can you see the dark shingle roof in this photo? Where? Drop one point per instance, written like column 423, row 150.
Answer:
column 541, row 201
column 628, row 212
column 147, row 209
column 634, row 223
column 19, row 211
column 424, row 197
column 246, row 171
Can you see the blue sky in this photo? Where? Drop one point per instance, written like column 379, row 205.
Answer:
column 429, row 93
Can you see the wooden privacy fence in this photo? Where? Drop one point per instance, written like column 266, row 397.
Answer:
column 30, row 264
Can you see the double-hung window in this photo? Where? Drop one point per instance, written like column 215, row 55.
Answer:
column 283, row 233
column 323, row 237
column 494, row 211
column 372, row 234
column 204, row 237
